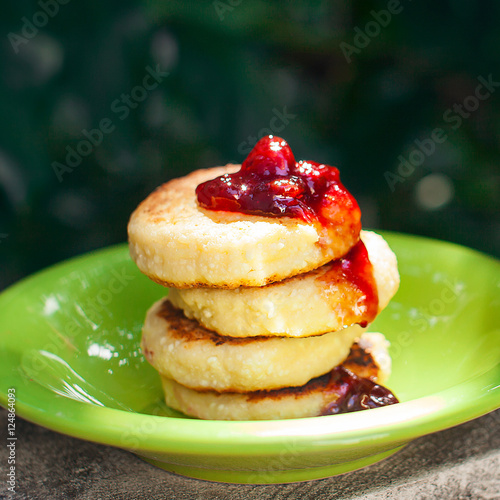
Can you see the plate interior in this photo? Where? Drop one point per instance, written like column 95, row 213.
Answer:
column 73, row 331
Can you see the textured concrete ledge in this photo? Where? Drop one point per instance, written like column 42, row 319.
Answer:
column 459, row 463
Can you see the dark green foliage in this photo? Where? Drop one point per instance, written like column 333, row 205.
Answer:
column 237, row 69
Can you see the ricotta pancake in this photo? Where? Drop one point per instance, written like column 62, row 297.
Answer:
column 179, row 244
column 183, row 350
column 322, row 300
column 327, row 394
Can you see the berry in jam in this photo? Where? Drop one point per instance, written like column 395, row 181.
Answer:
column 355, row 393
column 271, row 183
column 350, row 386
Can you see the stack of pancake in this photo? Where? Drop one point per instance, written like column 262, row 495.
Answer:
column 260, row 315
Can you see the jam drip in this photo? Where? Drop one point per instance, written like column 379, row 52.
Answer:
column 355, row 393
column 272, row 184
column 355, row 271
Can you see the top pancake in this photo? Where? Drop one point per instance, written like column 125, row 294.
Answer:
column 179, row 244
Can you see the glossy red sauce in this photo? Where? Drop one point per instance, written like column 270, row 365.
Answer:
column 355, row 393
column 271, row 183
column 356, row 272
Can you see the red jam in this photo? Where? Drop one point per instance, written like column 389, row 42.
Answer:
column 355, row 393
column 354, row 272
column 271, row 183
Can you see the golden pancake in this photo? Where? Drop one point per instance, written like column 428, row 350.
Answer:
column 177, row 243
column 181, row 349
column 317, row 397
column 308, row 304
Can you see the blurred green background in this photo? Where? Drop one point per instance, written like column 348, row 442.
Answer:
column 359, row 85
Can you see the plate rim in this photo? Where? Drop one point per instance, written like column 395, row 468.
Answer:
column 255, row 435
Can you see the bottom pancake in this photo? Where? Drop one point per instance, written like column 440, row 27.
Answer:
column 352, row 385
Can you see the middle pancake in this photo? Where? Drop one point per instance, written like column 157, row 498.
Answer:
column 322, row 300
column 181, row 349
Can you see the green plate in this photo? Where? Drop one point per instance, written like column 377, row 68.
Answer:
column 70, row 348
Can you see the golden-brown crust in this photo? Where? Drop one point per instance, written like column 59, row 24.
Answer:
column 179, row 244
column 318, row 396
column 190, row 331
column 160, row 204
column 362, row 363
column 271, row 280
column 359, row 361
column 198, row 358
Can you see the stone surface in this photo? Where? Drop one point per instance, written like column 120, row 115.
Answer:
column 459, row 463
